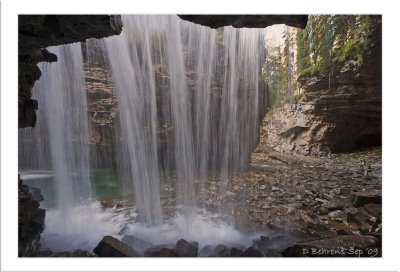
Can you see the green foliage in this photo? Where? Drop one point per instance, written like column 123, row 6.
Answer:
column 332, row 39
column 352, row 50
column 311, row 70
column 326, row 41
column 280, row 70
column 295, row 98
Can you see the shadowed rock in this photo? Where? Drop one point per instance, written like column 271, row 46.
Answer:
column 252, row 252
column 362, row 198
column 253, row 21
column 160, row 251
column 186, row 249
column 112, row 247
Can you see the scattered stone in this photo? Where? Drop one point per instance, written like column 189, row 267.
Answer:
column 365, row 228
column 186, row 249
column 336, row 204
column 339, row 246
column 205, row 251
column 323, row 233
column 374, row 209
column 306, row 218
column 252, row 252
column 337, row 215
column 323, row 210
column 360, row 217
column 321, row 200
column 345, row 191
column 161, row 251
column 62, row 254
column 107, row 203
column 326, row 196
column 82, row 253
column 167, row 252
column 220, row 251
column 362, row 198
column 112, row 247
column 235, row 252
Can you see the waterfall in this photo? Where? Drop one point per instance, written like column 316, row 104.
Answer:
column 190, row 101
column 204, row 84
column 59, row 141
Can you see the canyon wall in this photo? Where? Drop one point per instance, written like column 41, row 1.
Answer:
column 338, row 114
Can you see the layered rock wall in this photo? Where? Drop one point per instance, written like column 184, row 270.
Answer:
column 338, row 114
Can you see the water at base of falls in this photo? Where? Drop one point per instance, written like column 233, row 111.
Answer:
column 122, row 221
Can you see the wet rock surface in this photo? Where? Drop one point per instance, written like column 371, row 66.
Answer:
column 30, row 219
column 186, row 249
column 161, row 251
column 112, row 247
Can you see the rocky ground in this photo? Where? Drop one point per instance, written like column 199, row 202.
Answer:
column 301, row 206
column 326, row 200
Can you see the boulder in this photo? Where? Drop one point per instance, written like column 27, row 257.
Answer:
column 205, row 251
column 252, row 252
column 112, row 247
column 365, row 197
column 236, row 252
column 30, row 220
column 360, row 217
column 160, row 251
column 374, row 209
column 220, row 251
column 186, row 249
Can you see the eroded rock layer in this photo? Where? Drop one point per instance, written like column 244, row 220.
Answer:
column 339, row 114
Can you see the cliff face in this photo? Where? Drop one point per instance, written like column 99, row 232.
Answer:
column 36, row 32
column 340, row 114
